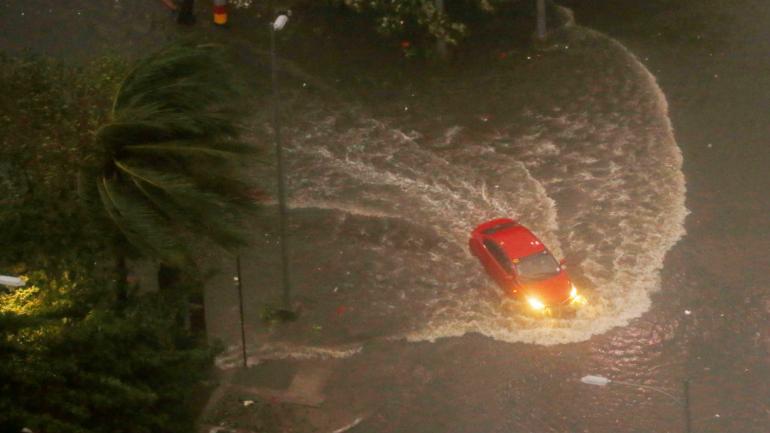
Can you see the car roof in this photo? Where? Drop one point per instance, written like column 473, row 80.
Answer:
column 516, row 240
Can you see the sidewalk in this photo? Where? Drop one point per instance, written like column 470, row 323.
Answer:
column 284, row 396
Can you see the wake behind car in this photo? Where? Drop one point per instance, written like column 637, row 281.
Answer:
column 522, row 266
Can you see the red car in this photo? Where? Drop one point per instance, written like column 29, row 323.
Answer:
column 522, row 266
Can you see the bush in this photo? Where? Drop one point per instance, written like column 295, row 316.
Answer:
column 69, row 364
column 48, row 112
column 69, row 361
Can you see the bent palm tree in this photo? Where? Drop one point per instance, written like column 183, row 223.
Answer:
column 170, row 148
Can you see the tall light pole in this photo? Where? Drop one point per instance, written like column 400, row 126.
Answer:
column 275, row 26
column 596, row 380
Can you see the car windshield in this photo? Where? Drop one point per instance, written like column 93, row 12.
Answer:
column 537, row 266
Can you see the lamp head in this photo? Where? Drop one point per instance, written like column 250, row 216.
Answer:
column 281, row 21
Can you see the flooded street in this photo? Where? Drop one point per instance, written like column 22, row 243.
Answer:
column 715, row 75
column 420, row 341
column 637, row 147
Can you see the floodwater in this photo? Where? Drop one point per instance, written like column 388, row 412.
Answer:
column 657, row 202
column 637, row 149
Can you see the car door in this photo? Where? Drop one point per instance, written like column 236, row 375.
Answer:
column 484, row 256
column 498, row 264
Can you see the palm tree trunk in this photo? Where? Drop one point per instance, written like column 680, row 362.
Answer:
column 197, row 314
column 169, row 277
column 180, row 288
column 173, row 291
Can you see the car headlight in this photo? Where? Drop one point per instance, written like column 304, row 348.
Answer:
column 573, row 293
column 535, row 303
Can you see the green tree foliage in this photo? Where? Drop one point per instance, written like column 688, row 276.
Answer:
column 94, row 158
column 68, row 364
column 170, row 153
column 48, row 112
column 396, row 17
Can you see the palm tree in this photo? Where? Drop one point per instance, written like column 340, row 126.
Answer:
column 168, row 174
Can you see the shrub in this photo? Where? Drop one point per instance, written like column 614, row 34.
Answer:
column 70, row 364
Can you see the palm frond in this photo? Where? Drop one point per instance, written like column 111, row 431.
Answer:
column 200, row 210
column 170, row 182
column 162, row 202
column 116, row 218
column 228, row 150
column 144, row 227
column 183, row 75
column 153, row 126
column 228, row 184
column 201, row 219
column 172, row 152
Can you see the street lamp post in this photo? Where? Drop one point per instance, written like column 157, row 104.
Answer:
column 596, row 380
column 275, row 26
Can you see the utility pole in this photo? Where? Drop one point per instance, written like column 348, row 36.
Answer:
column 240, row 307
column 541, row 20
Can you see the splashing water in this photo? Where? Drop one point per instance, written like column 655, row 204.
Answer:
column 597, row 177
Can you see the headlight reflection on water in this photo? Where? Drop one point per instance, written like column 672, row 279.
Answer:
column 575, row 298
column 535, row 303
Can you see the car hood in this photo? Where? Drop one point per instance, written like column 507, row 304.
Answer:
column 551, row 291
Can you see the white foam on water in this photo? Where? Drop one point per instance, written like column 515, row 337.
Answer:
column 378, row 170
column 623, row 193
column 233, row 356
column 599, row 180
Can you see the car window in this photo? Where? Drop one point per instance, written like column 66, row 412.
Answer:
column 538, row 266
column 499, row 255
